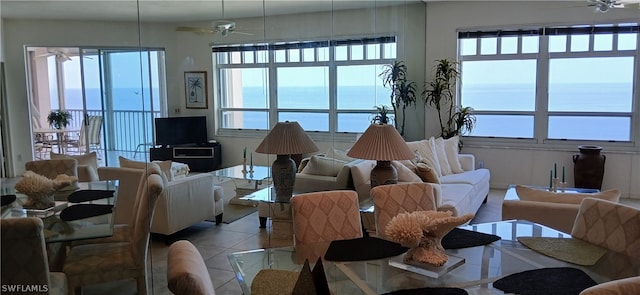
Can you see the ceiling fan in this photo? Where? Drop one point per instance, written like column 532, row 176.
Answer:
column 603, row 6
column 224, row 27
column 60, row 55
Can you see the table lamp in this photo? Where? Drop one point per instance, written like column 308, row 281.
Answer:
column 383, row 143
column 285, row 139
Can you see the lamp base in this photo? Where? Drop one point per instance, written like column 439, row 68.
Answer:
column 283, row 171
column 383, row 173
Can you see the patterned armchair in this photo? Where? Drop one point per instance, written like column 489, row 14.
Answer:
column 24, row 257
column 390, row 200
column 326, row 216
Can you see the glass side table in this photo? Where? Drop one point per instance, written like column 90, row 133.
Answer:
column 268, row 207
column 245, row 182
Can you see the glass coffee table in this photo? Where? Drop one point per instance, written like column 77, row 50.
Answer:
column 512, row 195
column 245, row 182
column 270, row 207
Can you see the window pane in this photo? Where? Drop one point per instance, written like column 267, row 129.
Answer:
column 244, row 88
column 245, row 120
column 354, row 122
column 373, row 51
column 389, row 50
column 294, row 55
column 360, row 87
column 530, row 44
column 248, row 57
column 468, row 46
column 308, row 121
column 303, row 88
column 590, row 128
column 627, row 41
column 488, row 46
column 591, row 84
column 519, row 126
column 509, row 45
column 323, row 54
column 603, row 42
column 357, row 52
column 341, row 52
column 263, row 56
column 308, row 54
column 557, row 43
column 281, row 55
column 236, row 58
column 579, row 43
column 505, row 85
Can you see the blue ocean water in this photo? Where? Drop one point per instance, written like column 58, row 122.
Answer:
column 124, row 99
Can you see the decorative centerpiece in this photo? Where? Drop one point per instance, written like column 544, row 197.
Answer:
column 422, row 232
column 39, row 189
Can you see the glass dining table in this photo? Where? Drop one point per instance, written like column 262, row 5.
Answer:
column 482, row 265
column 58, row 230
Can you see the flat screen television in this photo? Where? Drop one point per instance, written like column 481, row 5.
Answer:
column 176, row 131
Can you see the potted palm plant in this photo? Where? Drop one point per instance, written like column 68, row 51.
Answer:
column 382, row 115
column 59, row 119
column 403, row 92
column 440, row 93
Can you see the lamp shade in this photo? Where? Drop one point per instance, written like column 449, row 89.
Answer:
column 381, row 142
column 287, row 138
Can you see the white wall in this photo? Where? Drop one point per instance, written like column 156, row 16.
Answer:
column 187, row 52
column 510, row 165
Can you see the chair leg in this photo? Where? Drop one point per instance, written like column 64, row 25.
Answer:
column 219, row 218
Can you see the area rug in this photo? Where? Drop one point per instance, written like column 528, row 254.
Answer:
column 566, row 249
column 233, row 212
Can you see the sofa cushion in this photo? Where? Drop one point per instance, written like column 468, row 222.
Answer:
column 165, row 166
column 179, row 170
column 451, row 149
column 445, row 168
column 538, row 195
column 472, row 177
column 457, row 198
column 338, row 155
column 426, row 149
column 323, row 166
column 427, row 173
column 405, row 174
column 87, row 165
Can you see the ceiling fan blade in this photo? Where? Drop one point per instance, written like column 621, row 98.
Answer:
column 241, row 33
column 196, row 30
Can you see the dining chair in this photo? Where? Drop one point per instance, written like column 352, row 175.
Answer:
column 326, row 216
column 393, row 199
column 24, row 256
column 54, row 167
column 89, row 136
column 610, row 225
column 186, row 271
column 616, row 287
column 106, row 262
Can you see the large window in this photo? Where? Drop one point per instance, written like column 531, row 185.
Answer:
column 327, row 86
column 553, row 83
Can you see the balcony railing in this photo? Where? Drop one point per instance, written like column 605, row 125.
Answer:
column 125, row 130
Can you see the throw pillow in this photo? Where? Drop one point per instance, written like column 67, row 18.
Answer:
column 87, row 165
column 404, row 173
column 526, row 193
column 323, row 166
column 303, row 164
column 451, row 149
column 445, row 168
column 165, row 166
column 338, row 155
column 427, row 174
column 426, row 150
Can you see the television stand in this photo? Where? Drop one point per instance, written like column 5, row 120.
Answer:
column 200, row 158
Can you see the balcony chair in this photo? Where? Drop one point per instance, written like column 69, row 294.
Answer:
column 186, row 272
column 98, row 263
column 91, row 139
column 326, row 216
column 393, row 199
column 24, row 257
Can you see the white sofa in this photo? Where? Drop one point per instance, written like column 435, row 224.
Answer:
column 460, row 193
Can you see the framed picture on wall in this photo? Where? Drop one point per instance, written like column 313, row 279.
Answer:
column 195, row 86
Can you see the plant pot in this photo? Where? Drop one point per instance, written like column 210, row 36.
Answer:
column 588, row 167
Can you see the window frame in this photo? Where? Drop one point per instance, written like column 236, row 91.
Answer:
column 272, row 65
column 541, row 113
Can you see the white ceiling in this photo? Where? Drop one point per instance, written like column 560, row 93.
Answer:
column 173, row 10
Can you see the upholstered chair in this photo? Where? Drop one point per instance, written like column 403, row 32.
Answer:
column 52, row 168
column 610, row 225
column 617, row 287
column 390, row 200
column 186, row 272
column 24, row 257
column 98, row 263
column 326, row 216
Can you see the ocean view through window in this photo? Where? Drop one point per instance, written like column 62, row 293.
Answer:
column 326, row 86
column 576, row 83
